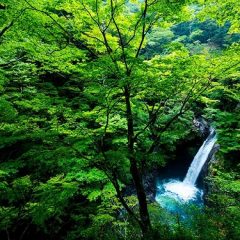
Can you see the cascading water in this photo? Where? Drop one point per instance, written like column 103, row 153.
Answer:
column 186, row 190
column 200, row 158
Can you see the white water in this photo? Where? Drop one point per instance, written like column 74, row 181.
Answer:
column 200, row 158
column 186, row 190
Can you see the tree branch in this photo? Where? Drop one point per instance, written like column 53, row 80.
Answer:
column 8, row 26
column 143, row 28
column 128, row 71
column 76, row 42
column 152, row 119
column 181, row 111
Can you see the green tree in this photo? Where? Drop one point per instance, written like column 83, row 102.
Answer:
column 84, row 113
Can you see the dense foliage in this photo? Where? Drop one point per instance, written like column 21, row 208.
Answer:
column 94, row 96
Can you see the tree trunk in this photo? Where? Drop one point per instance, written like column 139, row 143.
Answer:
column 136, row 175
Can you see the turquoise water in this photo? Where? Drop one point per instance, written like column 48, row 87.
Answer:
column 174, row 195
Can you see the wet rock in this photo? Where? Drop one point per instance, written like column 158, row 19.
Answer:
column 202, row 125
column 207, row 184
column 149, row 182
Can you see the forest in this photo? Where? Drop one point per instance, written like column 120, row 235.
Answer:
column 119, row 120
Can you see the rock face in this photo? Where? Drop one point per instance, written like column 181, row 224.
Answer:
column 210, row 161
column 202, row 125
column 149, row 183
column 207, row 185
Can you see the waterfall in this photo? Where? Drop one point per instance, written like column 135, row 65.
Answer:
column 200, row 158
column 186, row 190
